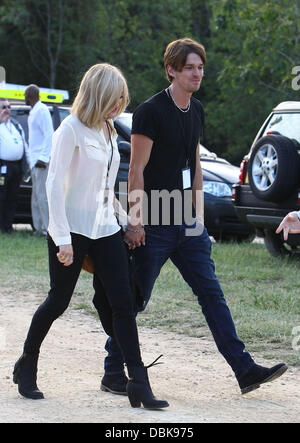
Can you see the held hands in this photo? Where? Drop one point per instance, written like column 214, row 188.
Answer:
column 65, row 255
column 40, row 164
column 134, row 239
column 289, row 225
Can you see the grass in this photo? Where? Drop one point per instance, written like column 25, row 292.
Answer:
column 262, row 293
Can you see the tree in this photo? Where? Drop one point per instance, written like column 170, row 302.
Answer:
column 48, row 30
column 255, row 45
column 134, row 35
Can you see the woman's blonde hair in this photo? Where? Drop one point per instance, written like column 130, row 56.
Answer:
column 100, row 90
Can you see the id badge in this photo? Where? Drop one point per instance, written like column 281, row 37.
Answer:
column 186, row 178
column 3, row 169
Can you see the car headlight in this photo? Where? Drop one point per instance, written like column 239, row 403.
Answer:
column 217, row 189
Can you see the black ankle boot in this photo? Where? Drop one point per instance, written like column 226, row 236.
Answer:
column 139, row 390
column 24, row 375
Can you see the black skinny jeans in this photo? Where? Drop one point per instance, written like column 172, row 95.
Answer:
column 110, row 261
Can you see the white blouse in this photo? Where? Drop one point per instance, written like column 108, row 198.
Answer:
column 80, row 183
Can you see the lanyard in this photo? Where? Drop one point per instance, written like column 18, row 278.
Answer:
column 185, row 141
column 112, row 150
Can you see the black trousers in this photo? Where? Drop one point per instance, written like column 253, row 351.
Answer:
column 9, row 193
column 110, row 261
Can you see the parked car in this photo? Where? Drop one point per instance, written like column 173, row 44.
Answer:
column 218, row 175
column 220, row 218
column 269, row 185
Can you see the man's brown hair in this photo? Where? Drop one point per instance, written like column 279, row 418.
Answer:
column 177, row 51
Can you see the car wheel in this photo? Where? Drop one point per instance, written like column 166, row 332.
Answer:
column 277, row 247
column 274, row 168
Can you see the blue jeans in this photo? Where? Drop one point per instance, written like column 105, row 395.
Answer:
column 192, row 256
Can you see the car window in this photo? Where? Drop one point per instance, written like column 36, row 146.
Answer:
column 204, row 151
column 125, row 120
column 63, row 113
column 21, row 116
column 286, row 124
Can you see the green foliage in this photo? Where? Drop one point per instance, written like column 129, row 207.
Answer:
column 252, row 47
column 255, row 45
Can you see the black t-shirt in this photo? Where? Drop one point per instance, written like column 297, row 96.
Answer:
column 175, row 136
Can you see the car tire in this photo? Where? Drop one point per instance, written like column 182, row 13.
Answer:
column 277, row 247
column 274, row 168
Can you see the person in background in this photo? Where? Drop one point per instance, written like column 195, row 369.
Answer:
column 13, row 148
column 40, row 129
column 80, row 188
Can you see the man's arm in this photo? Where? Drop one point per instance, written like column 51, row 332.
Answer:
column 46, row 126
column 197, row 189
column 141, row 147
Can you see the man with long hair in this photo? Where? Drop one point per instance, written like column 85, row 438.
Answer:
column 165, row 157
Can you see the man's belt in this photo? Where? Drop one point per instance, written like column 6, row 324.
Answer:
column 10, row 162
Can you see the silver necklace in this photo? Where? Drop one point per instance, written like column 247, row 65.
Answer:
column 168, row 90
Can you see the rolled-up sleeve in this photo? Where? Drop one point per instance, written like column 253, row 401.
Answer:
column 63, row 148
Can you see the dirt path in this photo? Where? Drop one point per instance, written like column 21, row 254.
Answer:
column 195, row 379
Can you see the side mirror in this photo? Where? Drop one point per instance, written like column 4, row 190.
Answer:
column 124, row 148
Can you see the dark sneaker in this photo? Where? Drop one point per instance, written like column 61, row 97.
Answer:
column 115, row 384
column 258, row 375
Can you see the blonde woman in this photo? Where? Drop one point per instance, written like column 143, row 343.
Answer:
column 80, row 184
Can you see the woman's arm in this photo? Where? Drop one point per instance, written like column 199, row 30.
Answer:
column 63, row 148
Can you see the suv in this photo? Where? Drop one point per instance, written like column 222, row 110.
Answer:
column 269, row 184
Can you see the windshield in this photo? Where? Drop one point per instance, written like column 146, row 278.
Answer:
column 125, row 119
column 286, row 124
column 63, row 112
column 204, row 151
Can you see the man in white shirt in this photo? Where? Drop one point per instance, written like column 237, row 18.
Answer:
column 12, row 149
column 40, row 141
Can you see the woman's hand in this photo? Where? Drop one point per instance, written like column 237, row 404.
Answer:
column 65, row 255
